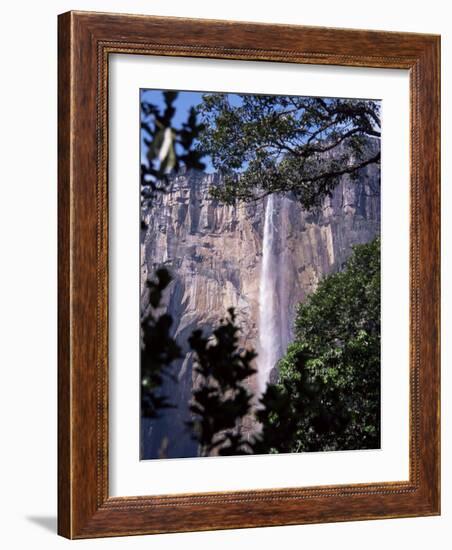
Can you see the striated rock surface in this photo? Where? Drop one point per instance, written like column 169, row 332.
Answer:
column 214, row 253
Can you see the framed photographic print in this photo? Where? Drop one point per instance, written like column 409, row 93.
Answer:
column 248, row 275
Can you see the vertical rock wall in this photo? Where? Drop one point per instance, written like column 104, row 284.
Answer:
column 214, row 252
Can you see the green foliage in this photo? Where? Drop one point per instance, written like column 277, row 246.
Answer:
column 220, row 400
column 158, row 349
column 168, row 147
column 328, row 393
column 292, row 144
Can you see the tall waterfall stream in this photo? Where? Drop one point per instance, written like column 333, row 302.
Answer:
column 274, row 325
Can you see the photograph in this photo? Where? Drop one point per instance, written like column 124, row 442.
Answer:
column 223, row 320
column 259, row 274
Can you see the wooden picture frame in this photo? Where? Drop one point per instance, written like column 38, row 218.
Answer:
column 86, row 40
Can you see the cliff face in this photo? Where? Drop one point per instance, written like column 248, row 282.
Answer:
column 215, row 254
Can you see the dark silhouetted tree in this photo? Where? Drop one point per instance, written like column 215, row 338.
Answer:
column 158, row 348
column 168, row 147
column 220, row 399
column 328, row 393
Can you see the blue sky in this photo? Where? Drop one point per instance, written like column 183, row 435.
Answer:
column 183, row 104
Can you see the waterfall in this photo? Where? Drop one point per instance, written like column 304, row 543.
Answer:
column 275, row 315
column 269, row 316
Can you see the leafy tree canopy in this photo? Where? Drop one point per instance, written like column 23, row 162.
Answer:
column 221, row 400
column 269, row 144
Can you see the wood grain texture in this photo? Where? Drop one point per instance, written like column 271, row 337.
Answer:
column 64, row 281
column 85, row 42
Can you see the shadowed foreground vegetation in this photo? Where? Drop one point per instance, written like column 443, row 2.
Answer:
column 327, row 396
